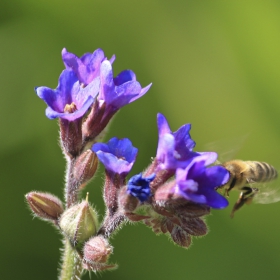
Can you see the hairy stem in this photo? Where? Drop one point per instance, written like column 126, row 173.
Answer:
column 111, row 223
column 71, row 268
column 71, row 186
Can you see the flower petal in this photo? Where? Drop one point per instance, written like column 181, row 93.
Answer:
column 118, row 155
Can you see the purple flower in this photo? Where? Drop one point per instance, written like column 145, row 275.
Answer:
column 118, row 155
column 119, row 91
column 69, row 100
column 198, row 183
column 175, row 148
column 87, row 68
column 139, row 187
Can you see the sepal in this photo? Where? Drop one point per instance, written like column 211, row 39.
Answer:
column 94, row 124
column 45, row 205
column 71, row 136
column 127, row 202
column 181, row 237
column 179, row 219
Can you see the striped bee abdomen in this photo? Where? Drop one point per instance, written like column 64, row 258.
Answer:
column 261, row 171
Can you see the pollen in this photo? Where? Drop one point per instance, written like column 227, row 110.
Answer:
column 70, row 108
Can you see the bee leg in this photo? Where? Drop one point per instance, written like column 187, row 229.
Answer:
column 251, row 195
column 231, row 186
column 226, row 194
column 246, row 196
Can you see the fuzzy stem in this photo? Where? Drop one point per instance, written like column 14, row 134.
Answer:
column 111, row 224
column 71, row 268
column 71, row 187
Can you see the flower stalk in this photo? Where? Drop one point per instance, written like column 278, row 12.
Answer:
column 71, row 184
column 71, row 267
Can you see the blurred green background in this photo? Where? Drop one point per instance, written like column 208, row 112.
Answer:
column 214, row 64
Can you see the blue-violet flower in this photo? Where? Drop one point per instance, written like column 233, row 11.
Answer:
column 69, row 100
column 198, row 183
column 119, row 91
column 139, row 187
column 87, row 67
column 175, row 148
column 118, row 155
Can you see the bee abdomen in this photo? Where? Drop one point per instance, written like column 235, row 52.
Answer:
column 262, row 171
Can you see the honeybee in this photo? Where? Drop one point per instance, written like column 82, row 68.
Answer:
column 242, row 175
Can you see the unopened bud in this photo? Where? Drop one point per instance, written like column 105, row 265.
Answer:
column 45, row 205
column 96, row 254
column 139, row 186
column 79, row 222
column 97, row 249
column 85, row 167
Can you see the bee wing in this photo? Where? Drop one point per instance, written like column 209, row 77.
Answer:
column 226, row 148
column 268, row 193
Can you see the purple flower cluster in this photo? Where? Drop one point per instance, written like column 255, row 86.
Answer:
column 85, row 80
column 176, row 190
column 194, row 180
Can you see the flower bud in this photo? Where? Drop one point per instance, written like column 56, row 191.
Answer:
column 79, row 222
column 96, row 254
column 45, row 205
column 139, row 186
column 97, row 249
column 85, row 167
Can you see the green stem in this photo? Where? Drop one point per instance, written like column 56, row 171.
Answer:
column 71, row 268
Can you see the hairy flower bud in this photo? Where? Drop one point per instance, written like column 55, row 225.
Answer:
column 96, row 254
column 79, row 222
column 45, row 205
column 85, row 167
column 97, row 249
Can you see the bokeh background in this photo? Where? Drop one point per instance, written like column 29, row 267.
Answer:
column 214, row 64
